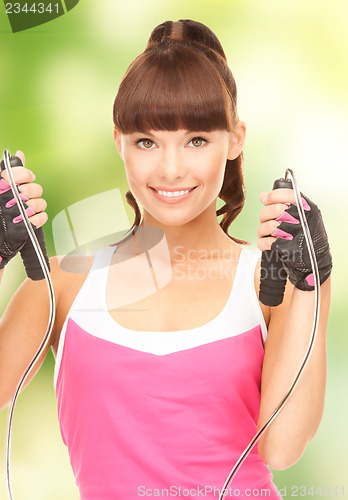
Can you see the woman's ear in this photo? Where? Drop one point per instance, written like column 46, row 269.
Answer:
column 118, row 142
column 236, row 141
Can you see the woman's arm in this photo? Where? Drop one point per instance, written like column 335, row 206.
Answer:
column 289, row 332
column 284, row 442
column 23, row 325
column 22, row 329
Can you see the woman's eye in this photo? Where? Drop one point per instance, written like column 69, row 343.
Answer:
column 146, row 143
column 197, row 141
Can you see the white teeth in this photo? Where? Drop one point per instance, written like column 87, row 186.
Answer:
column 170, row 194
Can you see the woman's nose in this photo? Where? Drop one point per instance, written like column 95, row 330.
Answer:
column 171, row 164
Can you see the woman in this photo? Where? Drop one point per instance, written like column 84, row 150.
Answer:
column 160, row 390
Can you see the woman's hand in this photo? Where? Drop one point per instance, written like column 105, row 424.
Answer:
column 32, row 191
column 280, row 230
column 13, row 233
column 275, row 204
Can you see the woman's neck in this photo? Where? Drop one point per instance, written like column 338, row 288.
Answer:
column 201, row 234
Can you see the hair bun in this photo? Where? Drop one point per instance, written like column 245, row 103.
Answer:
column 186, row 31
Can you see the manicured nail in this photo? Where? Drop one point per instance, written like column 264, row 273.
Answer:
column 19, row 218
column 30, row 212
column 13, row 202
column 279, row 233
column 310, row 278
column 286, row 217
column 4, row 186
column 305, row 205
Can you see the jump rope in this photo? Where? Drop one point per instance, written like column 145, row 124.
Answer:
column 269, row 261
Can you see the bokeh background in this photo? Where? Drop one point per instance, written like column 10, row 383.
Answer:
column 57, row 85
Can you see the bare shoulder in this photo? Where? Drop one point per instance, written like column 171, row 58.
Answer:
column 23, row 325
column 67, row 285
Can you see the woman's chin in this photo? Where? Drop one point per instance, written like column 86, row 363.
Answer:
column 170, row 220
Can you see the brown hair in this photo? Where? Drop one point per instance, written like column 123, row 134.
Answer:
column 182, row 81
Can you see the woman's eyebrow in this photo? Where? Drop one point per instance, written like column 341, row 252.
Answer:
column 144, row 132
column 198, row 132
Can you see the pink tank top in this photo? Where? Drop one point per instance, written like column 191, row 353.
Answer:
column 162, row 414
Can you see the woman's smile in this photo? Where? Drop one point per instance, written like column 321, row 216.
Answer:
column 172, row 195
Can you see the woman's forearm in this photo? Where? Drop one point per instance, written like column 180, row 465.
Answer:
column 285, row 440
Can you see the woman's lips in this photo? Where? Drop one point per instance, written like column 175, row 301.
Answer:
column 172, row 195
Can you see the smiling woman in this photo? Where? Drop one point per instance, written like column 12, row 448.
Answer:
column 178, row 168
column 183, row 82
column 166, row 361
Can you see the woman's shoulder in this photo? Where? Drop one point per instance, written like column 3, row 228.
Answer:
column 67, row 281
column 63, row 277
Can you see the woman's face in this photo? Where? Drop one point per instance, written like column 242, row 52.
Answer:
column 176, row 176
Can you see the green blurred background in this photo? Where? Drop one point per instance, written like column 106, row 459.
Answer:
column 57, row 85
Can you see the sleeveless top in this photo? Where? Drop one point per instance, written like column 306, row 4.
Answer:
column 162, row 413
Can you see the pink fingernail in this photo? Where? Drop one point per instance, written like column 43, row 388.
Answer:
column 305, row 205
column 310, row 278
column 279, row 233
column 19, row 218
column 13, row 202
column 4, row 186
column 286, row 217
column 30, row 212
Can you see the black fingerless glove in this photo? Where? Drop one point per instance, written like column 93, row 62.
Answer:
column 13, row 233
column 292, row 248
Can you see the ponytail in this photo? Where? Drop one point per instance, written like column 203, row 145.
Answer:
column 132, row 202
column 232, row 193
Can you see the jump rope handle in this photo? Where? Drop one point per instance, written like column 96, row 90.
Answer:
column 28, row 254
column 273, row 275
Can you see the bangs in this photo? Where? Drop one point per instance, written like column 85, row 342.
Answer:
column 171, row 88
